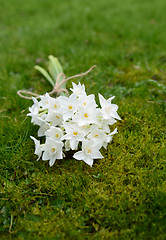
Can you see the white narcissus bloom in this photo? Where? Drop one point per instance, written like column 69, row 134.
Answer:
column 85, row 129
column 109, row 138
column 78, row 89
column 73, row 134
column 86, row 101
column 86, row 116
column 54, row 104
column 48, row 102
column 55, row 133
column 52, row 150
column 90, row 151
column 104, row 123
column 68, row 106
column 97, row 135
column 38, row 147
column 34, row 113
column 108, row 109
column 68, row 121
column 43, row 128
column 54, row 118
column 44, row 102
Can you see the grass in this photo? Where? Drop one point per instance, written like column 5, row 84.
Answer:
column 123, row 195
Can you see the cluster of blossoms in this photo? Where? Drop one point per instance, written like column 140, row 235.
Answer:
column 73, row 123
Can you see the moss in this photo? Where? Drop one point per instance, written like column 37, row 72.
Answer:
column 123, row 195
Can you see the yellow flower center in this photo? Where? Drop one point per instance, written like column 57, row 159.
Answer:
column 57, row 135
column 57, row 117
column 53, row 149
column 70, row 107
column 84, row 103
column 55, row 106
column 88, row 151
column 75, row 133
column 86, row 115
column 96, row 135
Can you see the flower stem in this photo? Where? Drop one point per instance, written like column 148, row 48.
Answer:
column 45, row 111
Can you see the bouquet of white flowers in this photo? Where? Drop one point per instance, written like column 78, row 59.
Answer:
column 72, row 122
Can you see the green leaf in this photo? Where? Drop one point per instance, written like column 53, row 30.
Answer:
column 45, row 74
column 55, row 68
column 55, row 64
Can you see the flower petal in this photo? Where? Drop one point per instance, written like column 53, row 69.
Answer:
column 89, row 161
column 79, row 155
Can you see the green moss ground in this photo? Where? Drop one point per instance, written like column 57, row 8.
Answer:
column 123, row 195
